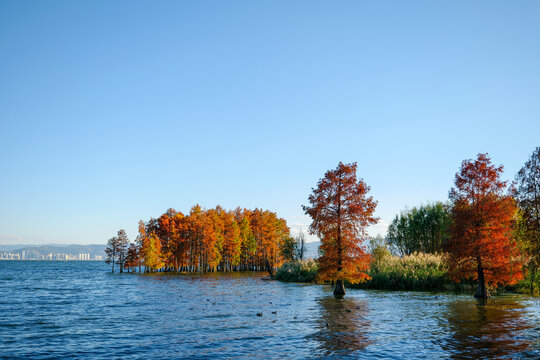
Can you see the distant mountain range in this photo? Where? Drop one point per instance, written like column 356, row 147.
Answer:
column 36, row 251
column 312, row 250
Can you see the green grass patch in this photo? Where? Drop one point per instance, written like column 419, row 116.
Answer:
column 298, row 271
column 418, row 271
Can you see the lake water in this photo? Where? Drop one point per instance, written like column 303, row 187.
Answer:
column 81, row 310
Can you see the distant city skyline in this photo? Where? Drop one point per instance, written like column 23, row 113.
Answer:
column 9, row 255
column 52, row 252
column 113, row 112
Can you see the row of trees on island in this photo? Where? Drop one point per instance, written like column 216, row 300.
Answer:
column 206, row 241
column 489, row 230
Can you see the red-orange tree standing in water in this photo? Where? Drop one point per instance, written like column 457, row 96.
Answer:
column 480, row 245
column 341, row 212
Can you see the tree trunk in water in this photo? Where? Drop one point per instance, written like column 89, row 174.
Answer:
column 481, row 291
column 339, row 290
column 269, row 268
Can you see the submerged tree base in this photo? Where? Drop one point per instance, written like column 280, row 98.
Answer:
column 482, row 293
column 339, row 290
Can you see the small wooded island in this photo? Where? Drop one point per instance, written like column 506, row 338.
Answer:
column 488, row 234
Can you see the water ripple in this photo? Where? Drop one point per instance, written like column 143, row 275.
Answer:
column 80, row 310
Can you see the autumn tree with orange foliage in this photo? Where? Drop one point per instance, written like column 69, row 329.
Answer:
column 481, row 245
column 141, row 242
column 132, row 257
column 153, row 259
column 341, row 211
column 231, row 246
column 269, row 233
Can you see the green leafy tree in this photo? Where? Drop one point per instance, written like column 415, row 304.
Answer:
column 378, row 248
column 527, row 193
column 423, row 229
column 122, row 244
column 111, row 251
column 288, row 248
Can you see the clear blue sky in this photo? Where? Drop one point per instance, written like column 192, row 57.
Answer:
column 114, row 111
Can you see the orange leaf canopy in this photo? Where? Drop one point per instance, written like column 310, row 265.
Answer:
column 341, row 211
column 481, row 233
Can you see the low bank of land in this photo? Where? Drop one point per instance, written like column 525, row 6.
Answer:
column 418, row 271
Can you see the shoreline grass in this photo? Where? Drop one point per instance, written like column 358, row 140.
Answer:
column 415, row 272
column 418, row 271
column 298, row 271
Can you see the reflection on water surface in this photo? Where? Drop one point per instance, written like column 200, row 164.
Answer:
column 78, row 309
column 493, row 328
column 343, row 326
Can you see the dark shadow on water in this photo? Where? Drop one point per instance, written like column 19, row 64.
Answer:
column 342, row 328
column 480, row 329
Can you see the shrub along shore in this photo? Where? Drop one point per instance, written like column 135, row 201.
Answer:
column 416, row 272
